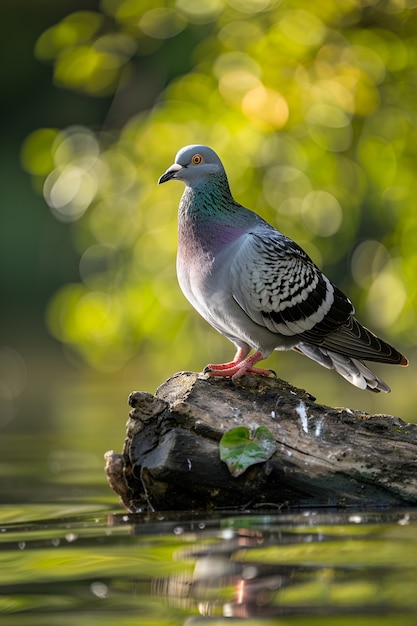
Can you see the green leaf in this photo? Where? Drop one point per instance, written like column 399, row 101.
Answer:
column 239, row 450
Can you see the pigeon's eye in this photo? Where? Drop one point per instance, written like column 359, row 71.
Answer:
column 196, row 159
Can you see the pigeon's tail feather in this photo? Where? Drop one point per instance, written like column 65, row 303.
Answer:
column 353, row 370
column 355, row 341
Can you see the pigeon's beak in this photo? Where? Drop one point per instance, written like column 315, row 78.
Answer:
column 170, row 173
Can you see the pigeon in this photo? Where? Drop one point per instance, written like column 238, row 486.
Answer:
column 257, row 287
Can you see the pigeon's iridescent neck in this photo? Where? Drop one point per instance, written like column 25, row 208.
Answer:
column 207, row 198
column 209, row 218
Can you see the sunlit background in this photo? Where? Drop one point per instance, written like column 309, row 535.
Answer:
column 313, row 110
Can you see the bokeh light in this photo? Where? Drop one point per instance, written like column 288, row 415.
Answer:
column 311, row 110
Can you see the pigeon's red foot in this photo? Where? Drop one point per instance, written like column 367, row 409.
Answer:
column 238, row 367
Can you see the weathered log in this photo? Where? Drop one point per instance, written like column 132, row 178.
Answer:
column 325, row 456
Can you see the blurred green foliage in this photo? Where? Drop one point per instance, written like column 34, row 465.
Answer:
column 313, row 110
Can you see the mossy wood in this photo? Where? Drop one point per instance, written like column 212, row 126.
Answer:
column 324, row 456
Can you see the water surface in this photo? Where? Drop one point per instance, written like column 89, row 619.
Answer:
column 95, row 565
column 69, row 554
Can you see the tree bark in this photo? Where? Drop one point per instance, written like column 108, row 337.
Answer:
column 324, row 456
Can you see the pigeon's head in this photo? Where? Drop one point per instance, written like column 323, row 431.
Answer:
column 193, row 165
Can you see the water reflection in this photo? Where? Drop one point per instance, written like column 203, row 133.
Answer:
column 305, row 565
column 95, row 566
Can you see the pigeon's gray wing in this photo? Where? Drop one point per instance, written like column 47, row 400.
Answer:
column 279, row 286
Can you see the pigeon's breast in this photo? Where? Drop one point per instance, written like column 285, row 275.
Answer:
column 205, row 279
column 201, row 256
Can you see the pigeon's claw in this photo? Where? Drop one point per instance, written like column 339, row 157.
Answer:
column 240, row 356
column 238, row 367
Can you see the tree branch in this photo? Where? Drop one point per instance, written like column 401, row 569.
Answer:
column 324, row 457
